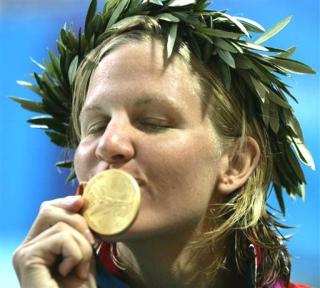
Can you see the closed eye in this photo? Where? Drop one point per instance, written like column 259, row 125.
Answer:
column 153, row 124
column 96, row 127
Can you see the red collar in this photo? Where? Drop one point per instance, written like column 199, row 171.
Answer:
column 104, row 255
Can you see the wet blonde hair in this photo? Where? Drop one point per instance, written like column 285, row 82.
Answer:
column 242, row 219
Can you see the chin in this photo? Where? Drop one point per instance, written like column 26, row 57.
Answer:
column 152, row 231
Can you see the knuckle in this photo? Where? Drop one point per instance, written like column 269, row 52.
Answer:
column 44, row 204
column 16, row 256
column 80, row 221
column 62, row 226
column 21, row 257
column 45, row 210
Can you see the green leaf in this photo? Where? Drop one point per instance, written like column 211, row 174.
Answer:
column 32, row 87
column 253, row 46
column 168, row 17
column 278, row 190
column 293, row 123
column 243, row 62
column 220, row 33
column 226, row 45
column 157, row 2
column 65, row 164
column 179, row 3
column 274, row 30
column 292, row 65
column 227, row 57
column 287, row 53
column 91, row 11
column 116, row 13
column 303, row 153
column 55, row 64
column 71, row 176
column 276, row 98
column 37, row 63
column 260, row 89
column 302, row 191
column 72, row 72
column 294, row 164
column 207, row 52
column 252, row 24
column 29, row 105
column 274, row 118
column 265, row 112
column 195, row 45
column 236, row 22
column 225, row 74
column 203, row 36
column 48, row 122
column 58, row 138
column 189, row 19
column 171, row 39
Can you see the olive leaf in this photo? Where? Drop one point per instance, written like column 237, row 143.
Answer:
column 226, row 45
column 73, row 69
column 261, row 89
column 215, row 38
column 274, row 30
column 237, row 23
column 278, row 191
column 288, row 53
column 171, row 39
column 292, row 65
column 88, row 24
column 168, row 17
column 28, row 104
column 32, row 87
column 115, row 15
column 227, row 57
column 253, row 46
column 157, row 2
column 65, row 164
column 303, row 152
column 250, row 24
column 178, row 3
column 57, row 138
column 37, row 64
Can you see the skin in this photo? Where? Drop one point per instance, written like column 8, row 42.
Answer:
column 146, row 118
column 145, row 125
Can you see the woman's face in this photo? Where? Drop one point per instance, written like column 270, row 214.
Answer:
column 146, row 118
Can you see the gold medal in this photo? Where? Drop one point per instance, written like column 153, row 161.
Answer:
column 111, row 201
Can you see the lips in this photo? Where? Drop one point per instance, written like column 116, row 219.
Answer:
column 139, row 179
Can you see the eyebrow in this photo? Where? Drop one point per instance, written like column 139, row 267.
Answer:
column 89, row 109
column 147, row 100
column 141, row 101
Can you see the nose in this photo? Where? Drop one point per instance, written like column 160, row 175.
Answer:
column 115, row 145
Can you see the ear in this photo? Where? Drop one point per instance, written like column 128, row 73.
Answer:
column 237, row 165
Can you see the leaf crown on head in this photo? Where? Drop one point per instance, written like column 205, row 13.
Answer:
column 210, row 35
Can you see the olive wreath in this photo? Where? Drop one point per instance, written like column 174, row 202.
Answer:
column 212, row 36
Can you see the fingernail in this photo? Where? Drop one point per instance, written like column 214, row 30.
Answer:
column 89, row 236
column 70, row 200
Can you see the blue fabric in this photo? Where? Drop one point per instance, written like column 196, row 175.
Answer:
column 105, row 279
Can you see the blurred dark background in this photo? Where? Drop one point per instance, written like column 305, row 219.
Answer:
column 27, row 172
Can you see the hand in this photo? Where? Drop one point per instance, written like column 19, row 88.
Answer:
column 57, row 251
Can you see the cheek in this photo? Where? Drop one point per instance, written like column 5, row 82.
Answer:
column 183, row 168
column 84, row 161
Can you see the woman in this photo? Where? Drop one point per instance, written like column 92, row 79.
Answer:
column 151, row 100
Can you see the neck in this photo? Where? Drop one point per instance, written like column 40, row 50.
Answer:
column 165, row 261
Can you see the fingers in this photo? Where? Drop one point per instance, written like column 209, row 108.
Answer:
column 60, row 241
column 61, row 210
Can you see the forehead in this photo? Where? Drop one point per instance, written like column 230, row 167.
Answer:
column 140, row 69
